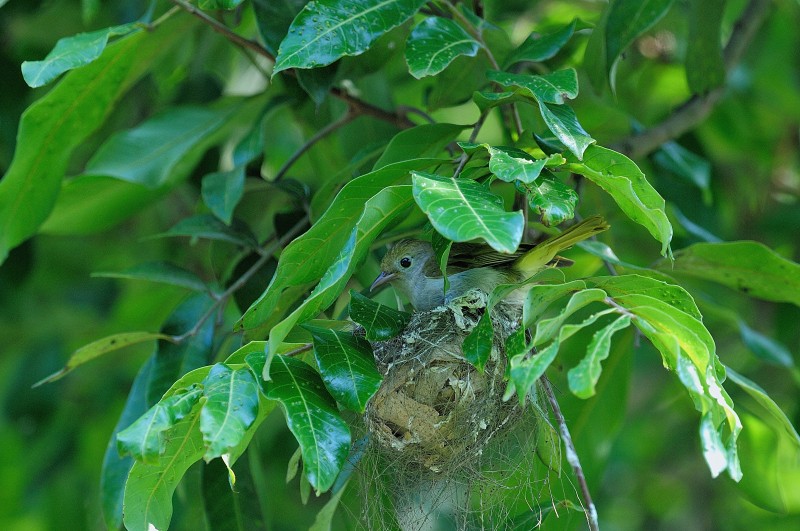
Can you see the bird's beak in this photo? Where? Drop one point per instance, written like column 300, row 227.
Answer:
column 383, row 278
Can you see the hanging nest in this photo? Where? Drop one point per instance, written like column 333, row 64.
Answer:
column 435, row 411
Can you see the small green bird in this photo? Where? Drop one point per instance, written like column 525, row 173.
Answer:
column 411, row 266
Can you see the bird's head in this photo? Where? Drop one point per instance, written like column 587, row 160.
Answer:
column 404, row 264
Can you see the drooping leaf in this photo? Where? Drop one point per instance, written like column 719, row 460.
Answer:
column 705, row 68
column 749, row 267
column 552, row 199
column 554, row 87
column 147, row 503
column 230, row 409
column 312, row 417
column 163, row 272
column 525, row 371
column 71, row 52
column 624, row 181
column 584, row 376
column 326, row 30
column 541, row 296
column 434, row 43
column 477, row 346
column 56, row 124
column 765, row 347
column 324, row 518
column 441, row 248
column 541, row 47
column 222, row 191
column 456, row 84
column 379, row 321
column 563, row 123
column 237, row 506
column 147, row 153
column 317, row 82
column 687, row 165
column 547, row 329
column 379, row 212
column 208, row 227
column 100, row 347
column 346, row 365
column 420, row 142
column 144, row 439
column 463, row 210
column 273, row 20
column 308, row 257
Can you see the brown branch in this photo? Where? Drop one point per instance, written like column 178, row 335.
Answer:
column 572, row 455
column 698, row 107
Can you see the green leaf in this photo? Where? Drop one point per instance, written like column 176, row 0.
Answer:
column 97, row 348
column 326, row 30
column 163, row 272
column 541, row 296
column 379, row 212
column 218, row 4
column 148, row 493
column 324, row 519
column 71, row 52
column 510, row 166
column 525, row 371
column 144, row 439
column 477, row 346
column 627, row 20
column 547, row 329
column 236, row 507
column 765, row 347
column 420, row 142
column 584, row 376
column 749, row 267
column 379, row 321
column 552, row 199
column 307, row 258
column 462, row 210
column 705, row 67
column 347, row 366
column 317, row 82
column 148, row 153
column 541, row 47
column 208, row 227
column 56, row 124
column 624, row 181
column 312, row 417
column 486, row 100
column 434, row 43
column 770, row 447
column 554, row 87
column 688, row 166
column 274, row 18
column 222, row 191
column 230, row 409
column 563, row 123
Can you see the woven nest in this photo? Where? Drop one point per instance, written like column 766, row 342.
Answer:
column 434, row 410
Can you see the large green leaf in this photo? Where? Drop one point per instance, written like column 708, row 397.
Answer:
column 147, row 503
column 379, row 212
column 312, row 417
column 163, row 272
column 584, row 376
column 148, row 153
column 434, row 43
column 308, row 257
column 420, row 142
column 347, row 366
column 56, row 124
column 624, row 181
column 230, row 409
column 379, row 321
column 548, row 88
column 144, row 439
column 749, row 267
column 551, row 198
column 222, row 191
column 326, row 30
column 541, row 47
column 462, row 210
column 705, row 68
column 563, row 123
column 71, row 52
column 477, row 346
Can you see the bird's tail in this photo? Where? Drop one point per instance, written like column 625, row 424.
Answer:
column 538, row 257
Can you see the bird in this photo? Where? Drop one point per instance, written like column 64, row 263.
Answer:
column 411, row 266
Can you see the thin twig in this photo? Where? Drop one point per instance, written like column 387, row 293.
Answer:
column 299, row 350
column 698, row 107
column 346, row 118
column 266, row 253
column 572, row 455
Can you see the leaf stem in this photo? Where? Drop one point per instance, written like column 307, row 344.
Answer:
column 572, row 454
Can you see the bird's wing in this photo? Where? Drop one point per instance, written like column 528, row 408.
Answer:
column 469, row 255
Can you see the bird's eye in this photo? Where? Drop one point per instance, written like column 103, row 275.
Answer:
column 405, row 262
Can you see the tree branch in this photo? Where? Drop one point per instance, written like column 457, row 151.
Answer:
column 572, row 455
column 698, row 107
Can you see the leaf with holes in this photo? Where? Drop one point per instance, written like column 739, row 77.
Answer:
column 434, row 43
column 230, row 409
column 462, row 210
column 347, row 366
column 379, row 321
column 326, row 30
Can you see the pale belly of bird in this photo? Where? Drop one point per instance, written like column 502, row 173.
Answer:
column 430, row 293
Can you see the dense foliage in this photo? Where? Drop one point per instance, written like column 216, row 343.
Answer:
column 198, row 198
